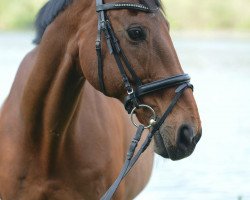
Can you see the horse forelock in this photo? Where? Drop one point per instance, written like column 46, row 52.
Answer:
column 47, row 14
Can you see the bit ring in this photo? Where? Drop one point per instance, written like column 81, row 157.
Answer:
column 152, row 120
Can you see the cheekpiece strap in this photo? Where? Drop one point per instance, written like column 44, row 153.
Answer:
column 117, row 6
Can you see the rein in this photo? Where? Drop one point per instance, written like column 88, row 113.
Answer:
column 131, row 158
column 132, row 100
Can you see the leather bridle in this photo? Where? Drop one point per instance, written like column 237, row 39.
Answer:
column 134, row 94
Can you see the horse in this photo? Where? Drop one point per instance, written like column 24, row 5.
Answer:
column 64, row 132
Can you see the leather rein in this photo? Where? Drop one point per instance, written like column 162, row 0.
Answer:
column 132, row 100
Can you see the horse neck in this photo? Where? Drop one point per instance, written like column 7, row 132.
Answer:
column 54, row 84
column 53, row 89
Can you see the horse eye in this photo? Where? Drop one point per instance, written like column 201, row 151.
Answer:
column 136, row 34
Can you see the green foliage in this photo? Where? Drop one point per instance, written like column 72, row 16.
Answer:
column 182, row 14
column 18, row 14
column 208, row 14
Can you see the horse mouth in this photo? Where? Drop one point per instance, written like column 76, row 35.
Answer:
column 164, row 147
column 159, row 146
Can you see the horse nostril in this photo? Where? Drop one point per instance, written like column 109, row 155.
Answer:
column 185, row 136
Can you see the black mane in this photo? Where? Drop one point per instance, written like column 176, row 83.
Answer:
column 52, row 8
column 46, row 16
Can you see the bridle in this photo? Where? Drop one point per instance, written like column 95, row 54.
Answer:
column 134, row 94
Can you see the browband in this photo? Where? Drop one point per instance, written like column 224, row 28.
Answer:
column 116, row 6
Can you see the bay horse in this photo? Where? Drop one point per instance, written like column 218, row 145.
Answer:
column 64, row 132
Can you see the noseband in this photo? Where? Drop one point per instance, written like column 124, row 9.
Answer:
column 134, row 94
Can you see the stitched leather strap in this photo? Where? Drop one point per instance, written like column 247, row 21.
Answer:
column 153, row 87
column 133, row 145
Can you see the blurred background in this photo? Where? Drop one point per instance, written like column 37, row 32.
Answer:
column 183, row 14
column 212, row 39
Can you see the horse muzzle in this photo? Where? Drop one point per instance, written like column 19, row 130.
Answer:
column 176, row 146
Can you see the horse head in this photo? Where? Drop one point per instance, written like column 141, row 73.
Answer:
column 143, row 38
